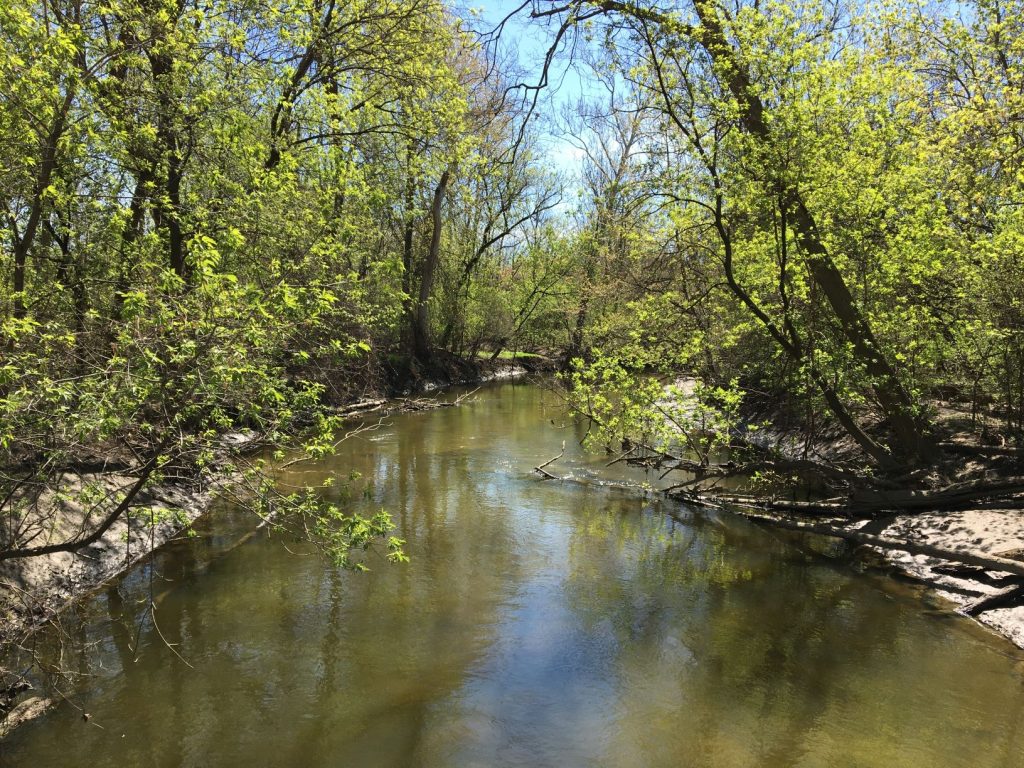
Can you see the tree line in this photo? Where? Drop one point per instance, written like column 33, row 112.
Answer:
column 235, row 214
column 815, row 206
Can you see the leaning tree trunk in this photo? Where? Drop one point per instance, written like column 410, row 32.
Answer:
column 892, row 396
column 47, row 167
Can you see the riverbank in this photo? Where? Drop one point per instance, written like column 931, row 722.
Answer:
column 788, row 476
column 34, row 591
column 955, row 554
column 991, row 531
column 983, row 530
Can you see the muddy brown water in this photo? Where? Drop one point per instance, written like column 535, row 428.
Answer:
column 538, row 624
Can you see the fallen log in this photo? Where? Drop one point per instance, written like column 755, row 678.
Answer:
column 982, row 450
column 361, row 406
column 428, row 403
column 1001, row 599
column 976, row 573
column 952, row 495
column 824, row 507
column 990, row 562
column 23, row 712
column 866, row 503
column 702, row 470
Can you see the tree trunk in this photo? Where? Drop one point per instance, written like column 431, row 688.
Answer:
column 576, row 349
column 893, row 398
column 175, row 236
column 129, row 235
column 23, row 243
column 421, row 316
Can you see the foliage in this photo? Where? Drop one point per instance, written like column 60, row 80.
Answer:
column 826, row 214
column 223, row 216
column 217, row 220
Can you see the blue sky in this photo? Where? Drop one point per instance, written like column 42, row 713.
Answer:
column 530, row 39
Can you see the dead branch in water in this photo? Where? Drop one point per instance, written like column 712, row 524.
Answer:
column 869, row 502
column 362, row 406
column 549, row 462
column 428, row 403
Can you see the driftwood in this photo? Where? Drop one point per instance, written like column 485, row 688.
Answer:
column 785, row 466
column 655, row 457
column 976, row 573
column 864, row 496
column 363, row 406
column 951, row 495
column 399, row 403
column 991, row 562
column 23, row 712
column 428, row 403
column 866, row 503
column 1001, row 599
column 830, row 507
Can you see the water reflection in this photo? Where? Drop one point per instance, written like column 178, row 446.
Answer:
column 539, row 624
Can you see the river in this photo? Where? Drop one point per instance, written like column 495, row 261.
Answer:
column 538, row 623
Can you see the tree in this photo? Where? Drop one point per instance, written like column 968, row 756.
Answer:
column 194, row 198
column 748, row 94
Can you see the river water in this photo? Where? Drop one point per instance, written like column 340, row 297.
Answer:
column 538, row 624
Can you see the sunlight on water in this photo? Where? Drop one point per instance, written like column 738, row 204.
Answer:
column 538, row 624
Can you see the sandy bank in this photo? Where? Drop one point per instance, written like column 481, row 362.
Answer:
column 989, row 531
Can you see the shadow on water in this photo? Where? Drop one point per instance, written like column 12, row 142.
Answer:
column 538, row 624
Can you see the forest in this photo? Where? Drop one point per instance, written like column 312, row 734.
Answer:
column 794, row 236
column 765, row 258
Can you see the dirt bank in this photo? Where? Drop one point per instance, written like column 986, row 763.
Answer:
column 34, row 589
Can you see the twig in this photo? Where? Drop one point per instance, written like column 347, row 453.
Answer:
column 622, row 457
column 152, row 612
column 549, row 462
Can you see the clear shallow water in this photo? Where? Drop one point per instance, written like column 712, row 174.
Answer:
column 538, row 624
